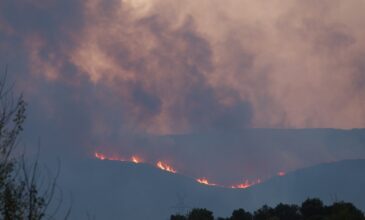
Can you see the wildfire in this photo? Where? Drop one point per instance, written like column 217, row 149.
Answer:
column 164, row 166
column 100, row 156
column 135, row 159
column 281, row 173
column 205, row 181
column 246, row 184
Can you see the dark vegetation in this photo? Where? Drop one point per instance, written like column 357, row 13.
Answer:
column 21, row 196
column 311, row 209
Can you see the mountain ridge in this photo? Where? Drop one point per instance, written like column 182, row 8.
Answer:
column 114, row 190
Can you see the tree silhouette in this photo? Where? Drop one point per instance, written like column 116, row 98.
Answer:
column 241, row 214
column 20, row 197
column 264, row 213
column 177, row 217
column 312, row 209
column 287, row 212
column 200, row 214
column 342, row 210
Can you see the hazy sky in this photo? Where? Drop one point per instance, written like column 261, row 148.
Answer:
column 95, row 73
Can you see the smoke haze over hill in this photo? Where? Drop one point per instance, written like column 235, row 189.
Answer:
column 230, row 90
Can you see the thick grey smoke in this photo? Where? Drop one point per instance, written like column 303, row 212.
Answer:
column 115, row 73
column 187, row 66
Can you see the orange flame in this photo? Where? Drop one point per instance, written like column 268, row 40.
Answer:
column 205, row 181
column 281, row 173
column 246, row 184
column 100, row 156
column 164, row 166
column 135, row 159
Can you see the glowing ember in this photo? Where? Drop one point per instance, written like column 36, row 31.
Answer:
column 115, row 158
column 205, row 182
column 100, row 156
column 164, row 166
column 135, row 159
column 246, row 184
column 281, row 173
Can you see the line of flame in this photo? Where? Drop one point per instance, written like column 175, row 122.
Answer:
column 205, row 181
column 246, row 184
column 101, row 156
column 163, row 166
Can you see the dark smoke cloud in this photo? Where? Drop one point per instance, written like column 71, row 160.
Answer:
column 291, row 67
column 112, row 74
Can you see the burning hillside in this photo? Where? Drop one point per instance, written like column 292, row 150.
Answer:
column 169, row 168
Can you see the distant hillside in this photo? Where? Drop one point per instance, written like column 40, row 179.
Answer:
column 115, row 190
column 338, row 181
column 266, row 151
